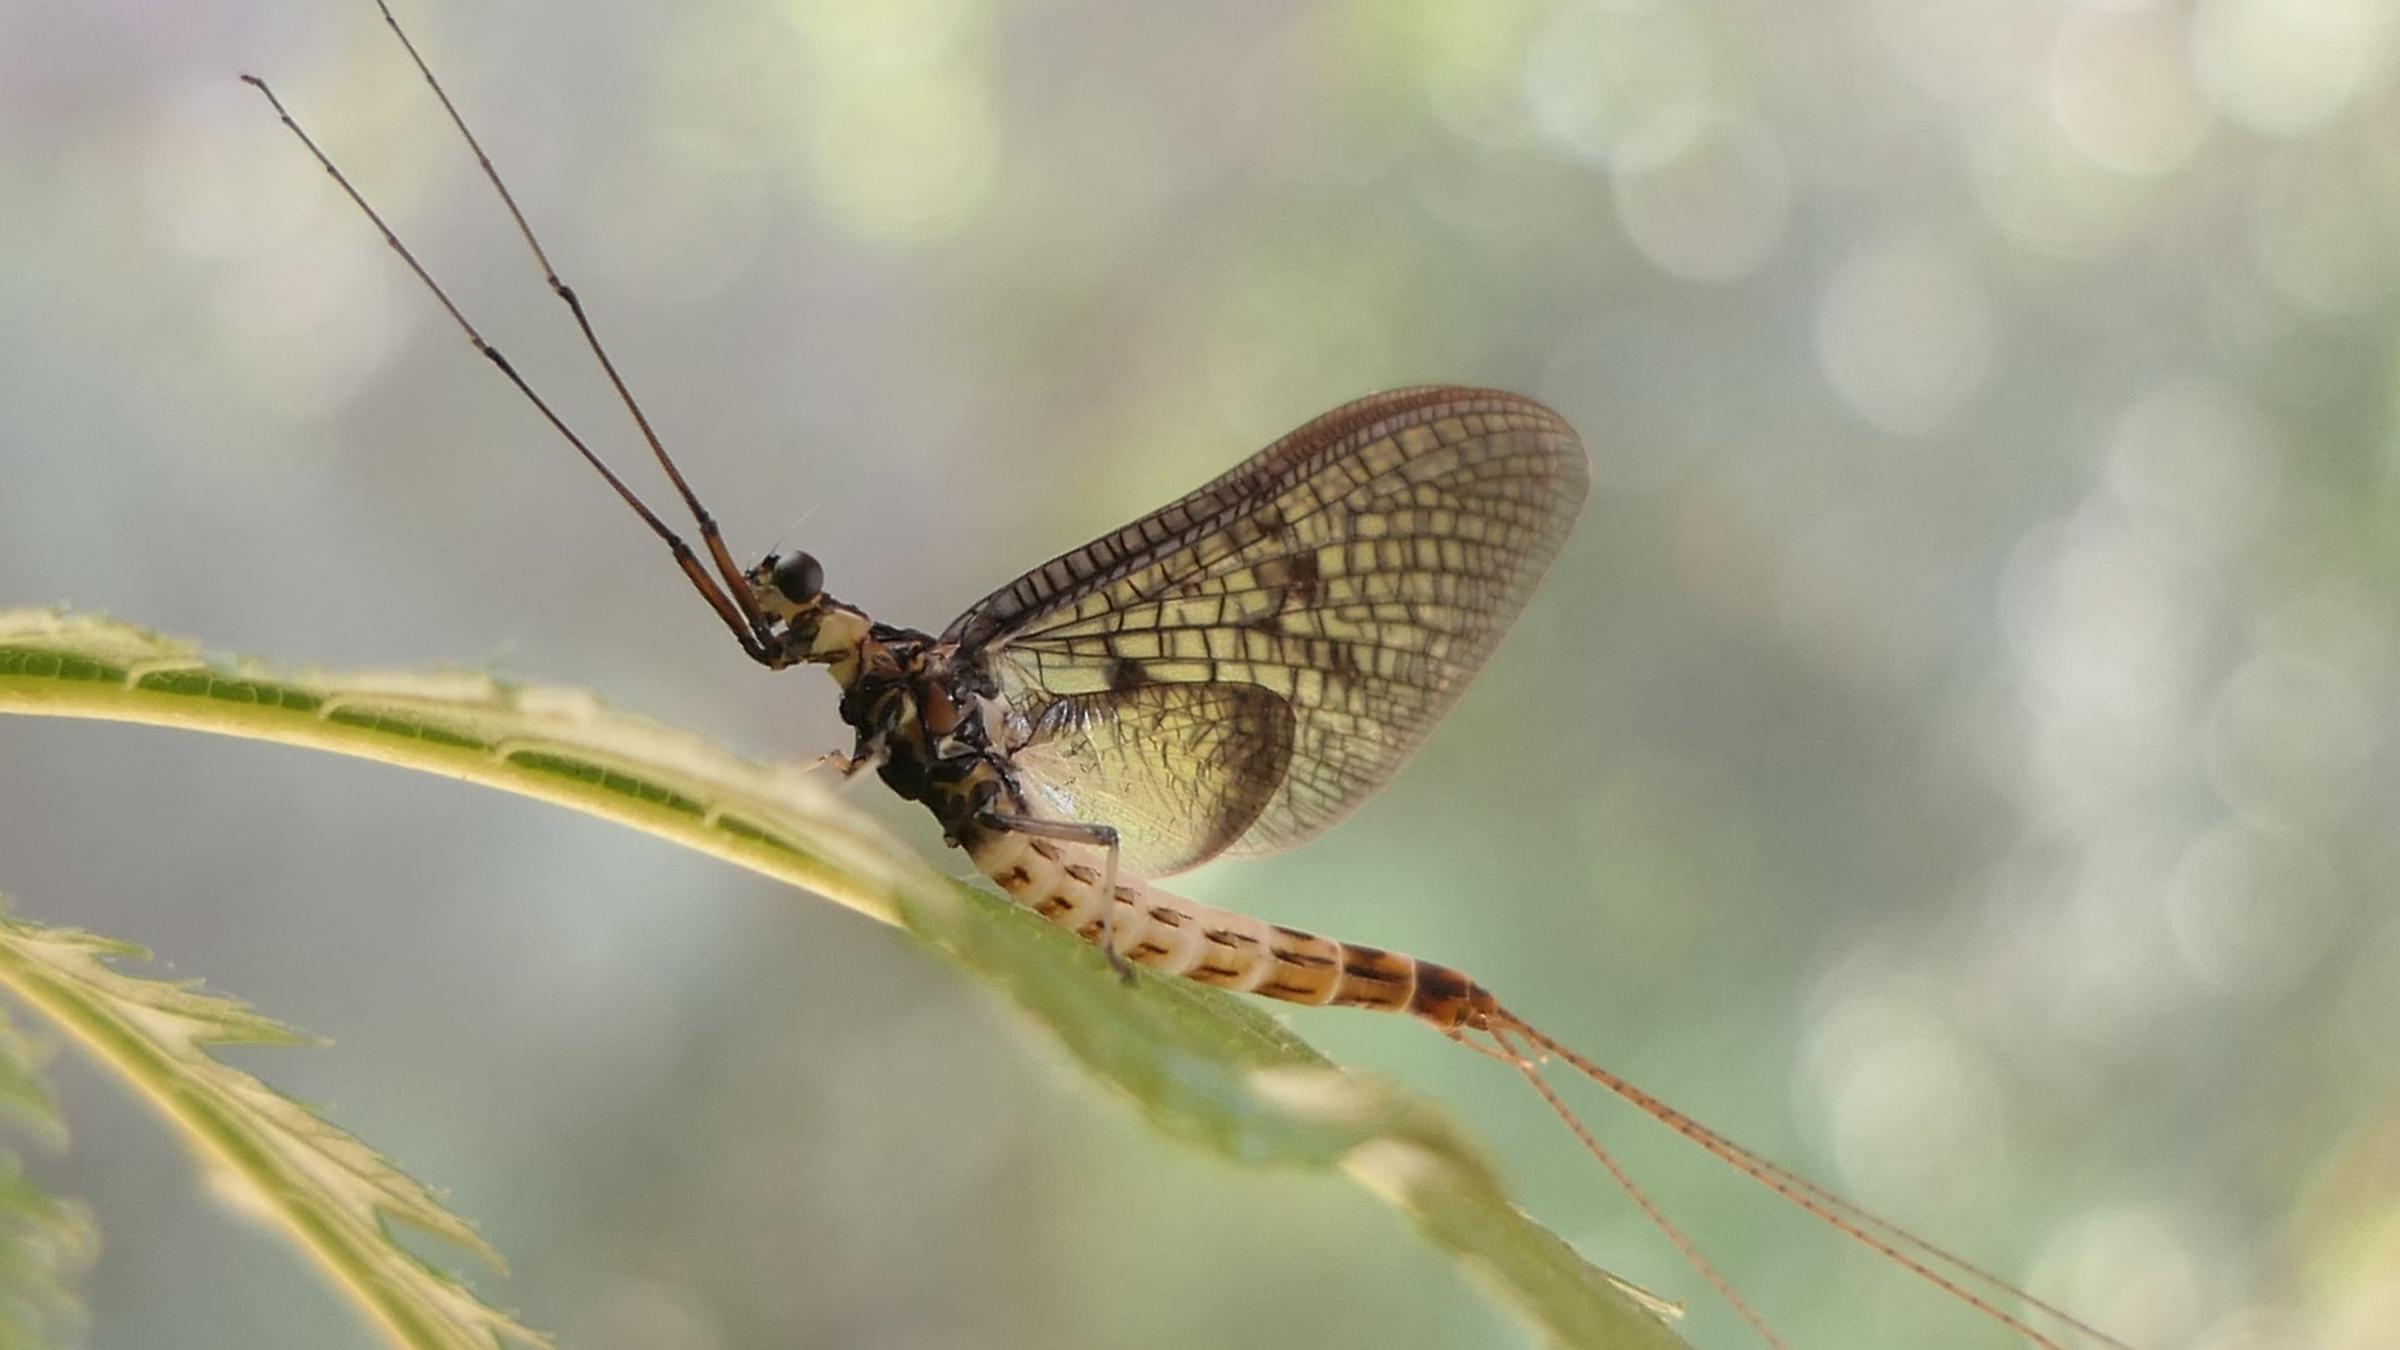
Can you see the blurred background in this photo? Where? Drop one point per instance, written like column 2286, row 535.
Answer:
column 1955, row 756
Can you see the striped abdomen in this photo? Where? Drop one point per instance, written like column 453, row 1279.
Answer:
column 1174, row 936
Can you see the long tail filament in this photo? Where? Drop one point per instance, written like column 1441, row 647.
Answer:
column 1508, row 1054
column 1904, row 1248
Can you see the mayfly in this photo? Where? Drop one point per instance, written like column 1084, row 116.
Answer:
column 1227, row 676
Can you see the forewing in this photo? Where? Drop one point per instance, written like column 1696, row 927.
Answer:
column 1359, row 570
column 1181, row 770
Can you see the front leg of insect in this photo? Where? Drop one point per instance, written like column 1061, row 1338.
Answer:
column 867, row 755
column 849, row 765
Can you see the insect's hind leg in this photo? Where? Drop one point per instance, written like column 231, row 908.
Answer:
column 1079, row 832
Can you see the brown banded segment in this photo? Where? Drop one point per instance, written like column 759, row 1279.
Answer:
column 1307, row 967
column 1303, row 948
column 1306, row 949
column 1296, row 986
column 1448, row 999
column 1228, row 958
column 1235, row 951
column 1375, row 978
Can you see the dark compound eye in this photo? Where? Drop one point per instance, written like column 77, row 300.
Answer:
column 800, row 577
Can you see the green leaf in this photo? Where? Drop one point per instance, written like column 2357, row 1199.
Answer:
column 1203, row 1066
column 43, row 1240
column 329, row 1192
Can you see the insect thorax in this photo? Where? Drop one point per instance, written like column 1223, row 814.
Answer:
column 919, row 708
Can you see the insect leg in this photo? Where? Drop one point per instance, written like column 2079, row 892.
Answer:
column 846, row 765
column 1078, row 832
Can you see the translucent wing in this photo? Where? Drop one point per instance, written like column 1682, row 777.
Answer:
column 1182, row 770
column 1358, row 571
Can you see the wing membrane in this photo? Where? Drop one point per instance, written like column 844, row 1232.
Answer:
column 1359, row 570
column 1182, row 770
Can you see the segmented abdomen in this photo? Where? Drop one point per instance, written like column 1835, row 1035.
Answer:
column 1175, row 936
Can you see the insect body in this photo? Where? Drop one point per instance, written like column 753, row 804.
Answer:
column 1226, row 676
column 928, row 719
column 1230, row 674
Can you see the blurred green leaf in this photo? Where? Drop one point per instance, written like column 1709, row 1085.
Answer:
column 330, row 1193
column 1205, row 1067
column 44, row 1241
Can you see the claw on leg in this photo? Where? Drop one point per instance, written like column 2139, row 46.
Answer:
column 849, row 767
